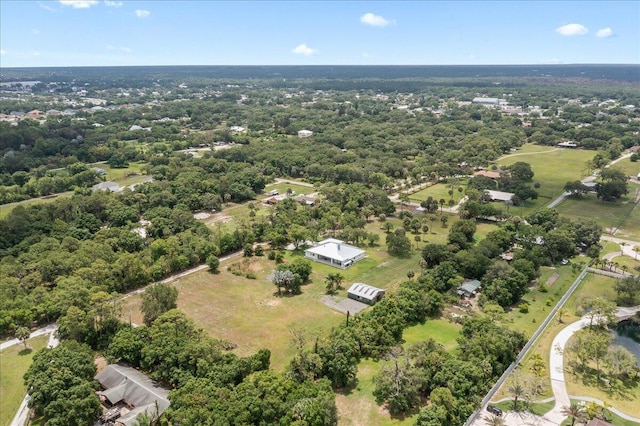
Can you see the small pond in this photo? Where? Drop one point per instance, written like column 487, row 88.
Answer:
column 627, row 334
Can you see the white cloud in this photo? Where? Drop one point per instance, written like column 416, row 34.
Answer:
column 572, row 30
column 367, row 55
column 126, row 49
column 109, row 47
column 112, row 3
column 604, row 33
column 374, row 20
column 3, row 52
column 45, row 7
column 78, row 4
column 305, row 50
column 140, row 13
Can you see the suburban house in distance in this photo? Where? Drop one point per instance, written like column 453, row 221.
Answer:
column 129, row 393
column 365, row 293
column 335, row 253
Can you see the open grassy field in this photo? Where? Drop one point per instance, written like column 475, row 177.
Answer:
column 14, row 362
column 553, row 168
column 609, row 215
column 628, row 167
column 438, row 191
column 629, row 227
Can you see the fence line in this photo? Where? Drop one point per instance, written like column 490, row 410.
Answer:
column 527, row 347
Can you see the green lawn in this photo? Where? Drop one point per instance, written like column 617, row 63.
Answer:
column 14, row 362
column 283, row 187
column 608, row 215
column 438, row 191
column 441, row 330
column 357, row 407
column 552, row 168
column 629, row 168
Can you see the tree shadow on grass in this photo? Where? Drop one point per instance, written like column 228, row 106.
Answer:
column 25, row 351
column 615, row 388
column 348, row 390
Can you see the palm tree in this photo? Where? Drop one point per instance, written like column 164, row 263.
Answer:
column 494, row 421
column 575, row 411
column 517, row 391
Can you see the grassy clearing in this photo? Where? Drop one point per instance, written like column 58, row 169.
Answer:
column 630, row 227
column 357, row 406
column 14, row 362
column 553, row 168
column 117, row 175
column 248, row 312
column 438, row 191
column 628, row 167
column 441, row 330
column 284, row 186
column 608, row 215
column 622, row 395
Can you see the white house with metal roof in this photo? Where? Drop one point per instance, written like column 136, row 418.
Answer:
column 335, row 253
column 365, row 293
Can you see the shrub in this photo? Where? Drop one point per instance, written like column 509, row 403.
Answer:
column 523, row 308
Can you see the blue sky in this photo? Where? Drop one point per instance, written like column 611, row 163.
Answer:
column 121, row 32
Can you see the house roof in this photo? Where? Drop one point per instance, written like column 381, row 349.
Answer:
column 500, row 196
column 124, row 383
column 335, row 249
column 469, row 286
column 365, row 291
column 104, row 186
column 489, row 174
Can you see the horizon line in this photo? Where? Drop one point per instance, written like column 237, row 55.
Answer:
column 328, row 65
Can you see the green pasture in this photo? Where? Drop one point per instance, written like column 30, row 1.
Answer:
column 628, row 167
column 439, row 191
column 552, row 168
column 609, row 215
column 14, row 362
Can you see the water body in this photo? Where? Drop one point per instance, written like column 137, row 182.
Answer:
column 627, row 334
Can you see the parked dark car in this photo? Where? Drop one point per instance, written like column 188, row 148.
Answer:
column 494, row 410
